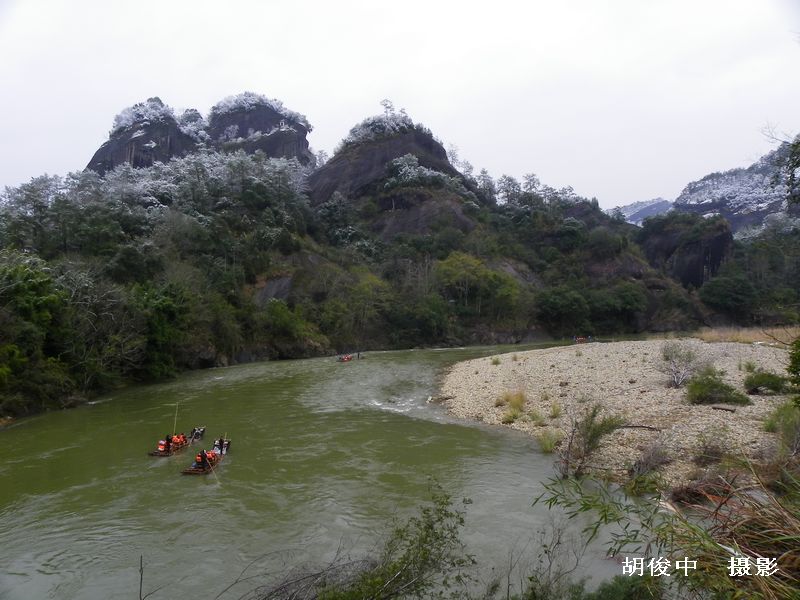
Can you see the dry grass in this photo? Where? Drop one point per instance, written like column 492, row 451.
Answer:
column 756, row 523
column 548, row 439
column 536, row 417
column 748, row 335
column 515, row 400
column 555, row 410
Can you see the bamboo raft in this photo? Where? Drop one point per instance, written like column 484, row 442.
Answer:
column 214, row 461
column 199, row 433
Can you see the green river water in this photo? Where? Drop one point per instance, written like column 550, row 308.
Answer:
column 323, row 456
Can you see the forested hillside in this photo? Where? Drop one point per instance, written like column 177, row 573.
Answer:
column 226, row 253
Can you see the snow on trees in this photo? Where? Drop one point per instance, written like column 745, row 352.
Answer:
column 407, row 172
column 378, row 126
column 743, row 190
column 153, row 109
column 193, row 124
column 249, row 100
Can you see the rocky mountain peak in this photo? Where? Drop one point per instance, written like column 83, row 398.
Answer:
column 637, row 212
column 363, row 159
column 254, row 122
column 141, row 135
column 150, row 132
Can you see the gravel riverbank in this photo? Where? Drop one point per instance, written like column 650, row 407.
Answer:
column 627, row 380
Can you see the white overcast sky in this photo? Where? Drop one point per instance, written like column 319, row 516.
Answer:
column 624, row 100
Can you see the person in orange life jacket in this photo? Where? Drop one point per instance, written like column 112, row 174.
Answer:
column 201, row 460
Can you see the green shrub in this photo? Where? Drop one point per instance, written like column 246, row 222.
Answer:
column 536, row 417
column 592, row 429
column 424, row 557
column 511, row 415
column 794, row 365
column 734, row 295
column 584, row 438
column 750, row 366
column 785, row 421
column 707, row 387
column 548, row 439
column 784, row 413
column 514, row 399
column 650, row 483
column 555, row 410
column 772, row 382
column 495, row 361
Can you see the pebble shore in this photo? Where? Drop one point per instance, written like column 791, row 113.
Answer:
column 627, row 379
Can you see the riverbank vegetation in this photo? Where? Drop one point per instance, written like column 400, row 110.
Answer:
column 425, row 557
column 749, row 530
column 738, row 515
column 215, row 258
column 641, row 413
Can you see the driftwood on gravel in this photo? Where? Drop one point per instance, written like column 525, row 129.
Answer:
column 648, row 427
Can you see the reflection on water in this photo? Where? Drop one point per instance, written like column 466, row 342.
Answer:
column 324, row 455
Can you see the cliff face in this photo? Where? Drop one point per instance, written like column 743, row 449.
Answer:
column 146, row 134
column 688, row 250
column 149, row 132
column 259, row 127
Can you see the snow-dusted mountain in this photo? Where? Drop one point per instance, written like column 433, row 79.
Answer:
column 748, row 197
column 638, row 211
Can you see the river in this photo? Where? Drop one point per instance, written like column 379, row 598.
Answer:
column 323, row 456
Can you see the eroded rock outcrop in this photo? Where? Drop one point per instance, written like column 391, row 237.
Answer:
column 358, row 168
column 253, row 122
column 143, row 134
column 396, row 171
column 150, row 132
